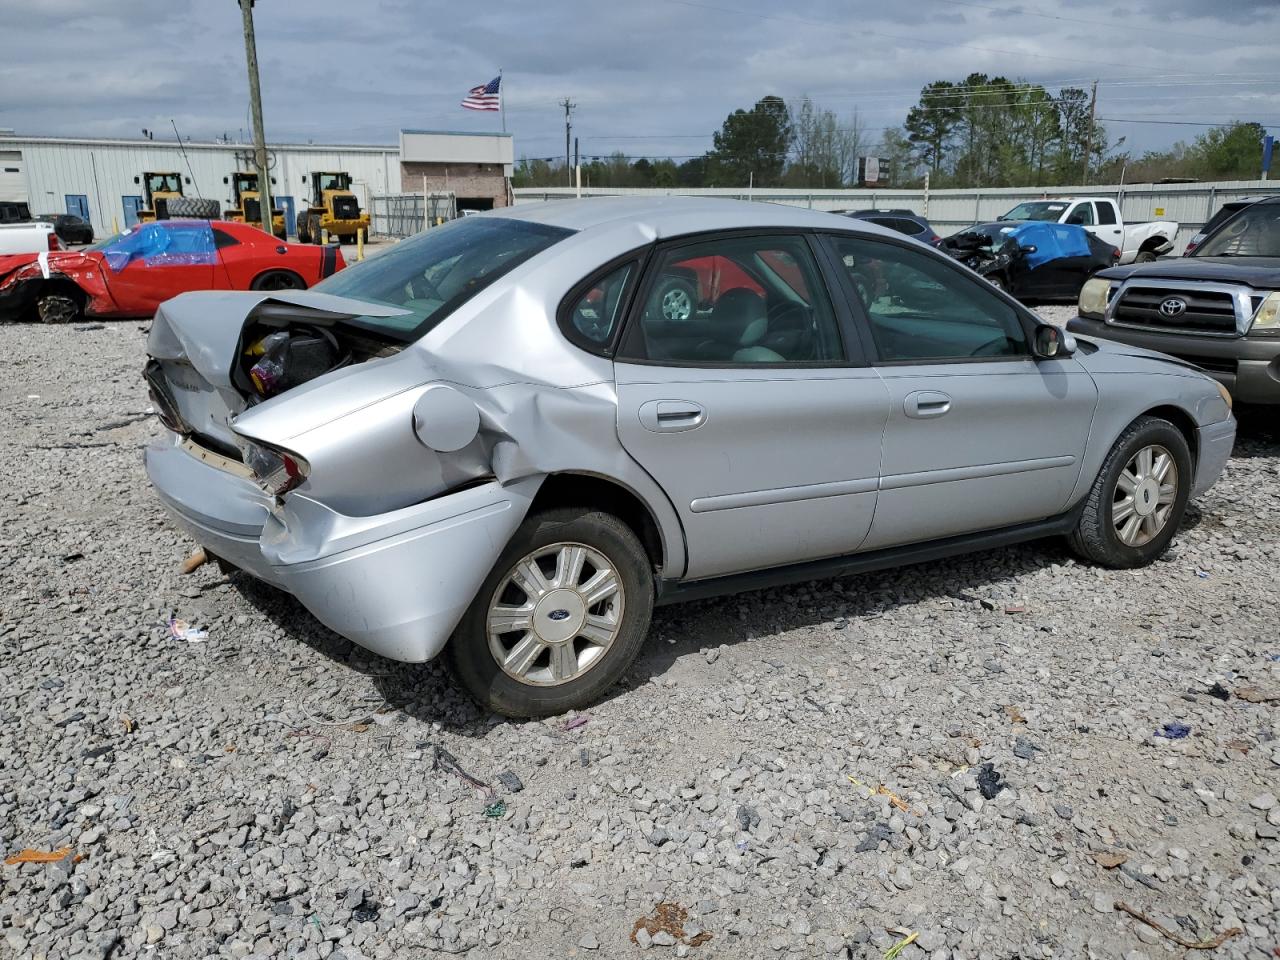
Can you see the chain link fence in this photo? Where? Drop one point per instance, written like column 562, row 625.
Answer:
column 402, row 215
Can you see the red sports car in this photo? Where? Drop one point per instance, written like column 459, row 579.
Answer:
column 131, row 274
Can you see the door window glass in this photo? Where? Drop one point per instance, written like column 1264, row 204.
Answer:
column 922, row 309
column 1106, row 212
column 594, row 315
column 1082, row 215
column 737, row 300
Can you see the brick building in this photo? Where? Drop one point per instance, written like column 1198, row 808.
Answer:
column 475, row 167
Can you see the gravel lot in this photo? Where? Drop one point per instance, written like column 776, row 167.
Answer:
column 271, row 791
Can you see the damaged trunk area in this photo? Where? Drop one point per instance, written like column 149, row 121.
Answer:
column 203, row 372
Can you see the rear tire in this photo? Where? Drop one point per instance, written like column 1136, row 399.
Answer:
column 278, row 280
column 1137, row 502
column 1145, row 256
column 194, row 208
column 59, row 306
column 304, row 233
column 588, row 614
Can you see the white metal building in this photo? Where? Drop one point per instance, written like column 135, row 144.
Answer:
column 95, row 178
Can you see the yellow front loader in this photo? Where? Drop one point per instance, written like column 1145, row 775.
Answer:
column 247, row 203
column 332, row 208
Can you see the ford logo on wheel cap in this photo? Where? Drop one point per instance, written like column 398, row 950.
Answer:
column 558, row 615
column 1173, row 307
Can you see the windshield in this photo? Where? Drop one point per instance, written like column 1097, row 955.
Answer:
column 1037, row 210
column 164, row 182
column 1254, row 232
column 334, row 181
column 434, row 273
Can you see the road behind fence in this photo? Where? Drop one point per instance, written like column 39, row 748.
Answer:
column 1191, row 204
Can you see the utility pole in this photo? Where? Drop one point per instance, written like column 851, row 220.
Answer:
column 568, row 168
column 1088, row 140
column 255, row 105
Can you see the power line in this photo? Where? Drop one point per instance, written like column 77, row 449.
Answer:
column 1181, row 123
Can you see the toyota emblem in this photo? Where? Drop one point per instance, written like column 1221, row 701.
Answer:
column 1173, row 307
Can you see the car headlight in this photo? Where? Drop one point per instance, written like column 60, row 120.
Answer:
column 1267, row 319
column 1093, row 297
column 1226, row 394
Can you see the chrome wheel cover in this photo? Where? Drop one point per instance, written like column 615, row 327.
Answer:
column 554, row 614
column 1143, row 499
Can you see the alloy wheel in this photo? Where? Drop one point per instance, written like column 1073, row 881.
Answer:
column 555, row 614
column 57, row 308
column 676, row 304
column 1144, row 495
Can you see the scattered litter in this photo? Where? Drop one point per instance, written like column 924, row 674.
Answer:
column 1139, row 876
column 668, row 918
column 584, row 757
column 38, row 856
column 1274, row 657
column 1252, row 694
column 33, row 396
column 1219, row 692
column 1240, row 746
column 446, row 761
column 901, row 945
column 1109, row 859
column 1211, row 944
column 509, row 780
column 990, row 781
column 1024, row 749
column 496, row 809
column 1012, row 608
column 86, row 327
column 1174, row 731
column 194, row 562
column 366, row 912
column 1014, row 714
column 1203, row 575
column 72, row 557
column 128, row 723
column 877, row 833
column 894, row 800
column 181, row 630
column 575, row 722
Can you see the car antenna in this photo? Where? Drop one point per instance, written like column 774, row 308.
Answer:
column 186, row 158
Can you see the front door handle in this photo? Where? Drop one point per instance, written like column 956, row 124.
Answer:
column 671, row 416
column 926, row 403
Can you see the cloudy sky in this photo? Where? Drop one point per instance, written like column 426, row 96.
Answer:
column 653, row 78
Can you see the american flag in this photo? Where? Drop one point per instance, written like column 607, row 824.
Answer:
column 487, row 96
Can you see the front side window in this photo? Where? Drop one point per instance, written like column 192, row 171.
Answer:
column 737, row 300
column 1082, row 215
column 1254, row 232
column 432, row 274
column 921, row 309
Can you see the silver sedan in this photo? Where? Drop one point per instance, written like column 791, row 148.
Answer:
column 508, row 438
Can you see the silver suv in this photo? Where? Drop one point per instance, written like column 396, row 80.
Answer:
column 511, row 436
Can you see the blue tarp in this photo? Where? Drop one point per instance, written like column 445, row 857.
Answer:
column 167, row 243
column 1052, row 241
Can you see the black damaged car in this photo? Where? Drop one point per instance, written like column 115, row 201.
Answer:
column 1032, row 260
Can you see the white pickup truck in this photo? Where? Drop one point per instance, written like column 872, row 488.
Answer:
column 36, row 236
column 1137, row 242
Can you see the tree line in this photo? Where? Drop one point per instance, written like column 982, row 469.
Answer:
column 982, row 131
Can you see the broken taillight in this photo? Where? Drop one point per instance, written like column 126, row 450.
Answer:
column 54, row 242
column 276, row 471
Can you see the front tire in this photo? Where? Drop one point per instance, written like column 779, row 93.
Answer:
column 58, row 307
column 1138, row 500
column 560, row 617
column 278, row 280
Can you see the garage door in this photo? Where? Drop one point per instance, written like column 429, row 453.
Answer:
column 13, row 185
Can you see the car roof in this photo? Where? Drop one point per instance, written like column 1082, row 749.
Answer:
column 673, row 216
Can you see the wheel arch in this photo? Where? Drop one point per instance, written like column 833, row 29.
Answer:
column 1185, row 423
column 1107, row 430
column 1153, row 244
column 588, row 489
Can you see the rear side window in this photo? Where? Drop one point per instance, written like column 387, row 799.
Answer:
column 223, row 239
column 592, row 313
column 735, row 301
column 1106, row 212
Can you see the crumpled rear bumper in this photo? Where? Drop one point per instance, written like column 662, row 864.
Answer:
column 395, row 583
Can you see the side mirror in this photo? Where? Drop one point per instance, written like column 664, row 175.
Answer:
column 1053, row 342
column 1030, row 249
column 225, row 180
column 188, row 179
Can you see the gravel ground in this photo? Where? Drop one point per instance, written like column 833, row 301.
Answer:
column 272, row 791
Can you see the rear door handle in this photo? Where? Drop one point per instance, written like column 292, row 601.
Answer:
column 924, row 404
column 671, row 416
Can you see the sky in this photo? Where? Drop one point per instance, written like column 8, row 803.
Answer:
column 654, row 78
